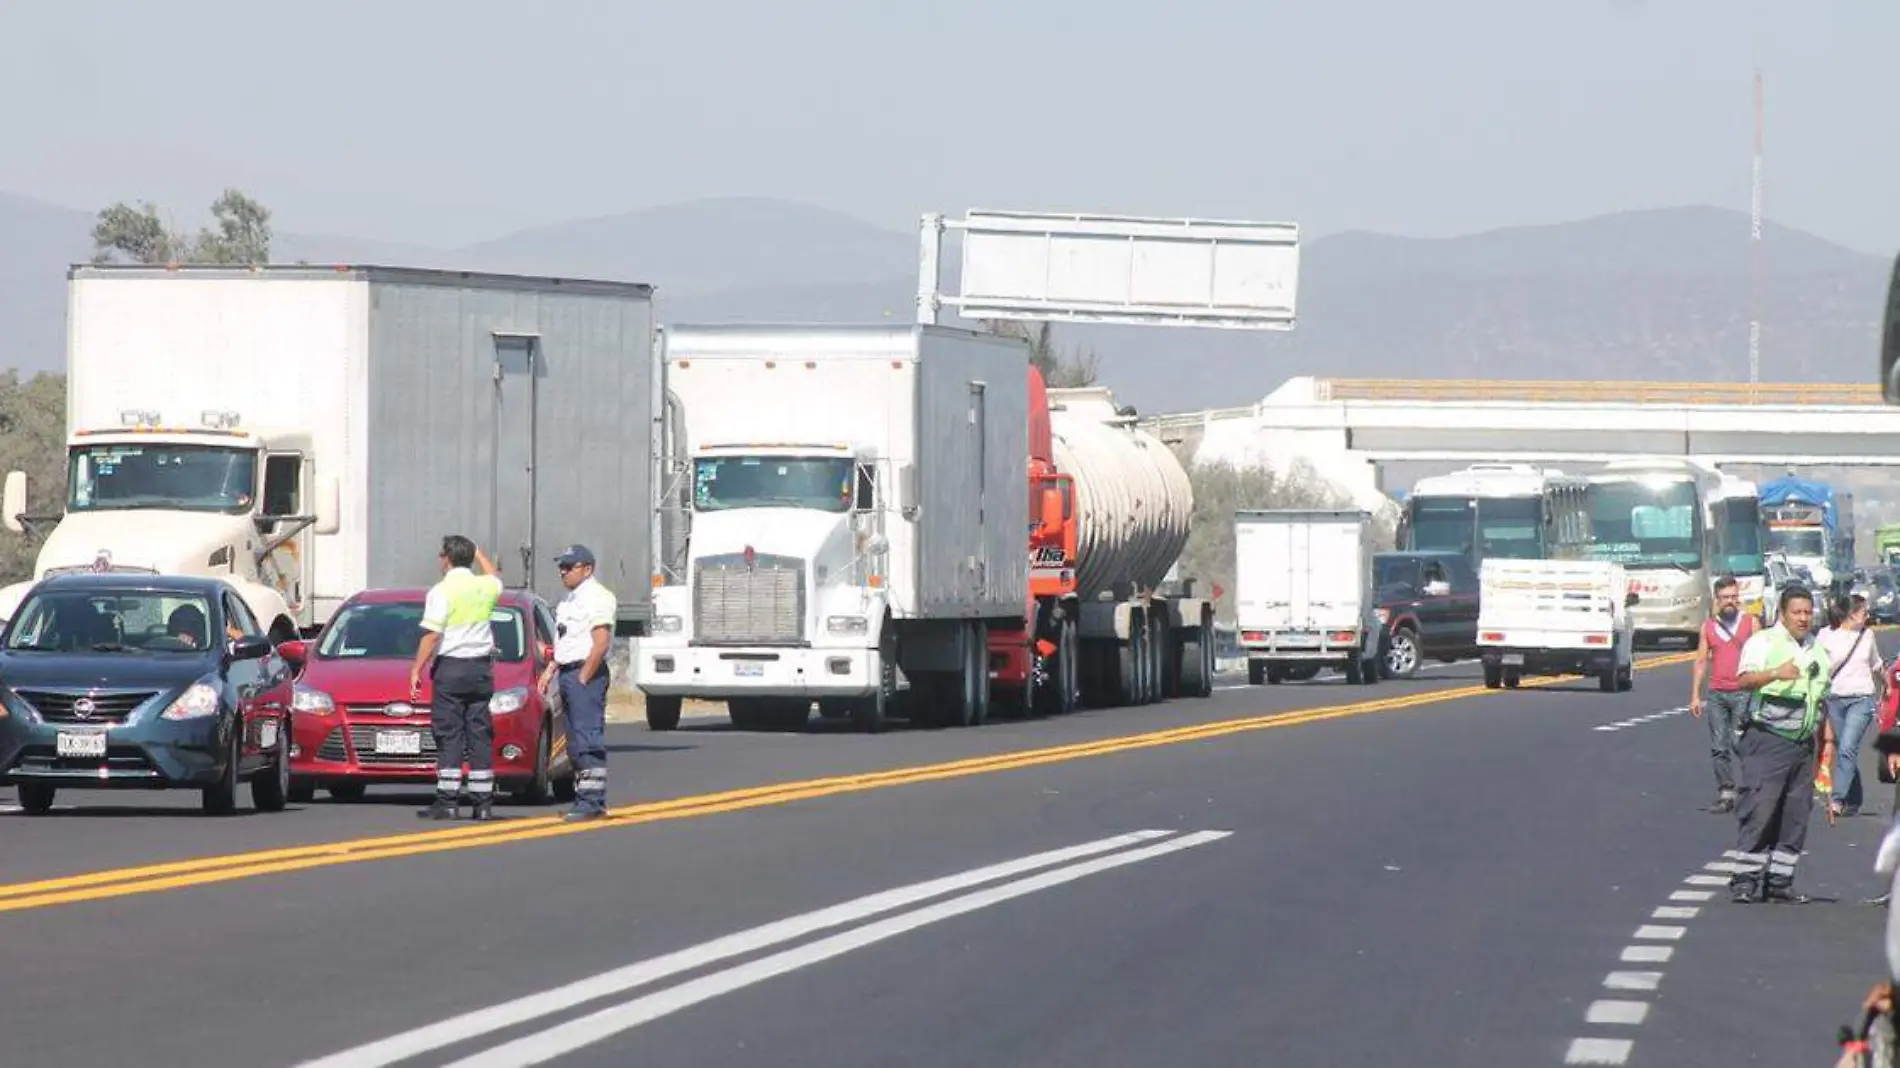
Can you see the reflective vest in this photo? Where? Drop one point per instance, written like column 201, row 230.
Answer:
column 1791, row 708
column 460, row 607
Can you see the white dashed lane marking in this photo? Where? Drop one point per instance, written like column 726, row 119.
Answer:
column 1599, row 1051
column 1637, row 721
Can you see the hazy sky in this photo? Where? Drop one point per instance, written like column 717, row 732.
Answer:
column 448, row 122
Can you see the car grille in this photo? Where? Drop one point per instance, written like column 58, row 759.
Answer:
column 65, row 706
column 363, row 741
column 333, row 749
column 735, row 604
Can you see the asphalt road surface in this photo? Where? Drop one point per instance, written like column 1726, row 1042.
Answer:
column 1411, row 873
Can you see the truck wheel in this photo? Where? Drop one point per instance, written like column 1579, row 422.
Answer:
column 1256, row 673
column 1197, row 665
column 1275, row 675
column 870, row 715
column 36, row 798
column 1401, row 654
column 979, row 673
column 1493, row 677
column 1512, row 679
column 663, row 713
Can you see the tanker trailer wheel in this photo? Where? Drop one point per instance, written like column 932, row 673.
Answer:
column 1197, row 661
column 1129, row 661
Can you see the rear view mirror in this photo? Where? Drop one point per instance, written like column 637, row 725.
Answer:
column 328, row 518
column 13, row 501
column 1890, row 341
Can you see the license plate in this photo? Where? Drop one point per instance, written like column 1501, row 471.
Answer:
column 1514, row 659
column 399, row 743
column 748, row 671
column 77, row 744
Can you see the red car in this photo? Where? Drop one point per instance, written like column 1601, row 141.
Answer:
column 353, row 724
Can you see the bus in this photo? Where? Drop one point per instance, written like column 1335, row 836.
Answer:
column 1508, row 511
column 1735, row 521
column 1653, row 517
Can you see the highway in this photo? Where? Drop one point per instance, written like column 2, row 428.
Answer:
column 1420, row 873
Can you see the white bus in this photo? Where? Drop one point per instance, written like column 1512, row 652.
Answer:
column 1653, row 517
column 1505, row 511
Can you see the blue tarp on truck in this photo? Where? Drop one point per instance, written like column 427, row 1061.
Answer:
column 1791, row 490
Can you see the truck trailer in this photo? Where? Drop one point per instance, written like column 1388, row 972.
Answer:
column 1104, row 625
column 309, row 432
column 853, row 509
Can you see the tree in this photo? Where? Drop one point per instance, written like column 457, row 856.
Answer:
column 240, row 234
column 32, row 439
column 1060, row 370
column 1220, row 490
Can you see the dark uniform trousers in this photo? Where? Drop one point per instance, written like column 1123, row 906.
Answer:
column 1776, row 799
column 586, row 705
column 464, row 730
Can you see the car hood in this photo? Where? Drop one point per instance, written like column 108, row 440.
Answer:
column 383, row 680
column 110, row 671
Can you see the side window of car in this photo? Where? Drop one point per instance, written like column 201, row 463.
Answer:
column 543, row 623
column 240, row 616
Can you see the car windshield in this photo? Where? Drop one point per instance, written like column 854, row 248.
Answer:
column 392, row 630
column 1644, row 525
column 823, row 483
column 195, row 478
column 109, row 622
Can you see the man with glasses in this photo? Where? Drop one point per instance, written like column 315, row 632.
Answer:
column 1723, row 636
column 583, row 631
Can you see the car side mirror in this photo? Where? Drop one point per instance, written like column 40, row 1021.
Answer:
column 1630, row 600
column 249, row 647
column 295, row 652
column 544, row 651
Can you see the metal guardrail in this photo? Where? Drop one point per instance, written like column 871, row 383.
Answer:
column 1699, row 393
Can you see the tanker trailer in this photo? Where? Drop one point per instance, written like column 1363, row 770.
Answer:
column 1139, row 641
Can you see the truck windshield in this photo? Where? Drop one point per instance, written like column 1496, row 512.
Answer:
column 1510, row 528
column 193, row 478
column 1645, row 525
column 1741, row 536
column 1798, row 541
column 391, row 630
column 821, row 483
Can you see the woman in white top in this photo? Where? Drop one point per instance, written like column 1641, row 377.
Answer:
column 1853, row 689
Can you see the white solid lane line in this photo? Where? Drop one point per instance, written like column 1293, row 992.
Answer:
column 606, row 1023
column 620, row 980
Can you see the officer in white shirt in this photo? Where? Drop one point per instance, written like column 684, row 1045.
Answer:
column 458, row 651
column 583, row 631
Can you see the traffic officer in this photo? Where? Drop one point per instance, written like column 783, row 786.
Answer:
column 1788, row 672
column 583, row 631
column 458, row 649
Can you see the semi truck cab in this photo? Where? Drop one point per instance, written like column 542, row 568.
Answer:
column 786, row 580
column 215, row 499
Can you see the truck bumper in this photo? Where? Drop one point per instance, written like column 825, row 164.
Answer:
column 1576, row 661
column 716, row 673
column 1296, row 650
column 1667, row 622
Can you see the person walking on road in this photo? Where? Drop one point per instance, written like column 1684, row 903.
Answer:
column 1787, row 670
column 583, row 631
column 458, row 650
column 1853, row 691
column 1723, row 636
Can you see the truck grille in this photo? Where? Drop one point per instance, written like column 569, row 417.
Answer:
column 761, row 602
column 56, row 706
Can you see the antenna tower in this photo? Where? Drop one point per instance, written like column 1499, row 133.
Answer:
column 1755, row 280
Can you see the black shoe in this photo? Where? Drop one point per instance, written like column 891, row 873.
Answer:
column 1742, row 893
column 483, row 809
column 581, row 815
column 439, row 810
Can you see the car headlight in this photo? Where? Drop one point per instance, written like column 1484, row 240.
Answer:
column 312, row 702
column 847, row 624
column 199, row 700
column 506, row 701
column 667, row 624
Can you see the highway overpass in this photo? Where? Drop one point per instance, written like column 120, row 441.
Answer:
column 1345, row 427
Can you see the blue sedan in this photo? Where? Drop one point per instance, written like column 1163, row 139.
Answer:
column 129, row 681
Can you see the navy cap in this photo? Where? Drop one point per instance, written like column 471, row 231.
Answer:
column 575, row 556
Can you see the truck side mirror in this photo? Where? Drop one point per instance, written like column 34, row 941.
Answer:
column 13, row 501
column 907, row 488
column 1630, row 600
column 329, row 498
column 1051, row 504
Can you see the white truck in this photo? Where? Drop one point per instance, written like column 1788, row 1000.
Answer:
column 855, row 509
column 310, row 432
column 1304, row 595
column 1556, row 617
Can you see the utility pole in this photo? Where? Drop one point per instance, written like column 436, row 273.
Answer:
column 1755, row 277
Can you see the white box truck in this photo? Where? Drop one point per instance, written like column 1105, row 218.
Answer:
column 310, row 432
column 1556, row 617
column 855, row 511
column 1304, row 598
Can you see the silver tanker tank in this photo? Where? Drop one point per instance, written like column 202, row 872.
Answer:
column 1132, row 496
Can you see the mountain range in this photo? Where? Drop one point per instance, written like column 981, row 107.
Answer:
column 1652, row 295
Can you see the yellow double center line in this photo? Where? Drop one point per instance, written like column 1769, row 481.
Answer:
column 123, row 882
